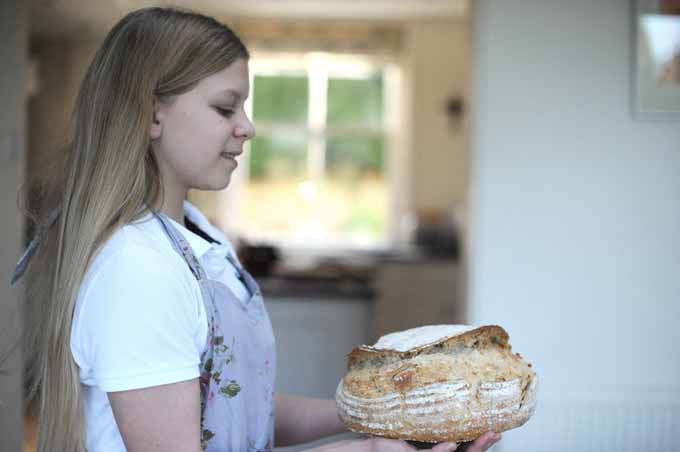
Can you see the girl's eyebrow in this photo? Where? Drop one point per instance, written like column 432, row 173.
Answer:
column 231, row 92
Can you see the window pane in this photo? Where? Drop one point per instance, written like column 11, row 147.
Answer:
column 356, row 177
column 281, row 99
column 355, row 101
column 364, row 213
column 355, row 155
column 280, row 155
column 345, row 205
column 326, row 213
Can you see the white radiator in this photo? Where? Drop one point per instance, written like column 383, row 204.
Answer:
column 621, row 420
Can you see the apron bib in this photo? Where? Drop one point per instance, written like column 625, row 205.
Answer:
column 237, row 369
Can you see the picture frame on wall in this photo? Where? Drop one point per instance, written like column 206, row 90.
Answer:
column 656, row 66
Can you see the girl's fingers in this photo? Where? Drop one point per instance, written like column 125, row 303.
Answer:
column 481, row 444
column 484, row 442
column 445, row 447
column 494, row 440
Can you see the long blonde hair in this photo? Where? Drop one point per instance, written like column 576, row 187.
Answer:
column 108, row 177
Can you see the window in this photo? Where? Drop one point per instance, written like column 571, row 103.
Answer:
column 316, row 174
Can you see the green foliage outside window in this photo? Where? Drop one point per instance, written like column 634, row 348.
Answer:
column 355, row 102
column 281, row 99
column 281, row 155
column 362, row 154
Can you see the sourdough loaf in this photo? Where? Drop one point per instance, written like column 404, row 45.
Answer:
column 437, row 383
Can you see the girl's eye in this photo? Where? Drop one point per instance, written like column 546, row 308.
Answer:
column 226, row 112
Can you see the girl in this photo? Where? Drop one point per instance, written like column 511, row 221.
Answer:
column 149, row 335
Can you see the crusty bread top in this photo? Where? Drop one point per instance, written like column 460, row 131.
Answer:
column 408, row 343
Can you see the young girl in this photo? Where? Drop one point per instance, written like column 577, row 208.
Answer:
column 148, row 333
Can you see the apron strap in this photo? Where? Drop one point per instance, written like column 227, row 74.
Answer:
column 246, row 278
column 181, row 246
column 34, row 246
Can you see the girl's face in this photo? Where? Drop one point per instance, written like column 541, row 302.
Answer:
column 197, row 136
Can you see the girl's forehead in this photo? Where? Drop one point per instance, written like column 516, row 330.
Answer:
column 229, row 82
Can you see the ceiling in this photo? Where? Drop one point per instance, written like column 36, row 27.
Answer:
column 95, row 17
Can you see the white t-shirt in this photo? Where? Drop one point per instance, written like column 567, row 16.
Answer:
column 139, row 319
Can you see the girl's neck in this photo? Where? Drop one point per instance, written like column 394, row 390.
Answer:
column 173, row 205
column 175, row 213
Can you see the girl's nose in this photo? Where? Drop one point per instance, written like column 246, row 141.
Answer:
column 245, row 130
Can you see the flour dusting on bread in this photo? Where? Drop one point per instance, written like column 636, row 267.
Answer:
column 418, row 337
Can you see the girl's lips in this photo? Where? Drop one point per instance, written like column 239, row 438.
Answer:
column 230, row 157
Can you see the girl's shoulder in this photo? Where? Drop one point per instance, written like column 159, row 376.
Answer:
column 138, row 246
column 137, row 266
column 137, row 283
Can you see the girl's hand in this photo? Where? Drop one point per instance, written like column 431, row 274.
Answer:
column 481, row 444
column 378, row 444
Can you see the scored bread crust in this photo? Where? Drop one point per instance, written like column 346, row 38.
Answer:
column 452, row 388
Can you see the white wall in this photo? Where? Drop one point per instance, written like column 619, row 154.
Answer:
column 576, row 224
column 13, row 23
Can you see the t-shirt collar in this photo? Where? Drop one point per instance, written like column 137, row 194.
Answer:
column 198, row 244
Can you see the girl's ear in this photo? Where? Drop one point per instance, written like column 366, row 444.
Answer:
column 156, row 127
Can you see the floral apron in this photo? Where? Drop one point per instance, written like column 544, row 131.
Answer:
column 237, row 369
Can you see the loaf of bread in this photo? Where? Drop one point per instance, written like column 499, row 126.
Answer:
column 437, row 383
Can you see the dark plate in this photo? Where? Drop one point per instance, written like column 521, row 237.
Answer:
column 462, row 447
column 421, row 445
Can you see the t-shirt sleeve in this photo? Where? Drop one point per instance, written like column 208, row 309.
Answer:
column 139, row 322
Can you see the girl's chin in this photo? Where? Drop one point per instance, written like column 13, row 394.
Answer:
column 216, row 184
column 225, row 183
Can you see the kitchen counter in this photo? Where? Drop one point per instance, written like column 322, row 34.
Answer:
column 315, row 288
column 349, row 276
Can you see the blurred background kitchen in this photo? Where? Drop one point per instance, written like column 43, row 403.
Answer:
column 420, row 162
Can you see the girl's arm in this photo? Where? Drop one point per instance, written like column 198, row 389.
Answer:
column 160, row 418
column 302, row 419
